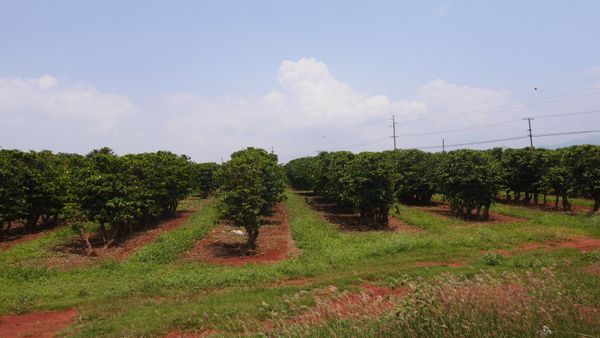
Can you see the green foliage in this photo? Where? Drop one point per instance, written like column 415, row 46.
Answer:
column 204, row 177
column 301, row 172
column 523, row 171
column 370, row 187
column 413, row 175
column 492, row 258
column 251, row 183
column 583, row 162
column 331, row 180
column 12, row 191
column 469, row 180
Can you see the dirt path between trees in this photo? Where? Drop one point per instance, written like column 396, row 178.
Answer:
column 36, row 324
column 226, row 244
column 350, row 222
column 73, row 254
column 443, row 209
column 17, row 235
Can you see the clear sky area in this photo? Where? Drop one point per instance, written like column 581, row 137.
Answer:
column 206, row 78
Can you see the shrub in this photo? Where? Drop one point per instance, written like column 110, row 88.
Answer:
column 370, row 187
column 251, row 183
column 469, row 180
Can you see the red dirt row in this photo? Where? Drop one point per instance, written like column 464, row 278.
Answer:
column 74, row 255
column 17, row 235
column 443, row 209
column 351, row 222
column 583, row 244
column 226, row 245
column 36, row 324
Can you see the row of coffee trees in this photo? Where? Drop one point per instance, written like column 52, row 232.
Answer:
column 470, row 180
column 115, row 194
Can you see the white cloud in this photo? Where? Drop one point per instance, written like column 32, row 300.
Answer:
column 308, row 110
column 308, row 107
column 43, row 99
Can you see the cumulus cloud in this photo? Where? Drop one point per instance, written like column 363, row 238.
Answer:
column 312, row 110
column 44, row 99
column 307, row 110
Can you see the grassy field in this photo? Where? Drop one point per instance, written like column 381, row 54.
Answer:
column 155, row 291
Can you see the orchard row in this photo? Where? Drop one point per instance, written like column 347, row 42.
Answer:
column 470, row 180
column 117, row 193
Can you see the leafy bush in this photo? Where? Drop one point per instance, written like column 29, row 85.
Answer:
column 251, row 183
column 470, row 181
column 370, row 187
column 413, row 175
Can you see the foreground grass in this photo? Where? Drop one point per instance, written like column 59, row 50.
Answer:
column 156, row 291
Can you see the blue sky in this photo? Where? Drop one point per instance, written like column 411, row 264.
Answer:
column 206, row 78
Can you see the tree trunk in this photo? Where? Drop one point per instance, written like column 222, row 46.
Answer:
column 565, row 202
column 556, row 201
column 486, row 212
column 31, row 223
column 90, row 250
column 596, row 204
column 252, row 236
column 536, row 198
column 103, row 233
column 545, row 198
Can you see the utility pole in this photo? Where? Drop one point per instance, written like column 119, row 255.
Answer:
column 529, row 130
column 443, row 146
column 394, row 130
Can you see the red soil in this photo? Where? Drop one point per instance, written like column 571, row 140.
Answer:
column 351, row 222
column 74, row 254
column 36, row 324
column 223, row 246
column 432, row 263
column 443, row 209
column 583, row 244
column 17, row 235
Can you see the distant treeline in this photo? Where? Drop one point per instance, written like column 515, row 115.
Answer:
column 470, row 180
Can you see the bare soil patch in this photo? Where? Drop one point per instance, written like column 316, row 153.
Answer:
column 18, row 235
column 443, row 209
column 349, row 221
column 73, row 254
column 226, row 244
column 36, row 324
column 583, row 244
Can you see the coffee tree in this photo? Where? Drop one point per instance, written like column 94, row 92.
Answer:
column 370, row 187
column 413, row 175
column 470, row 181
column 250, row 185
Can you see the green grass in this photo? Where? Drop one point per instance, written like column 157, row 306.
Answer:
column 156, row 291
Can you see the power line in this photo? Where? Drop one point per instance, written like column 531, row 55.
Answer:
column 508, row 107
column 475, row 143
column 569, row 133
